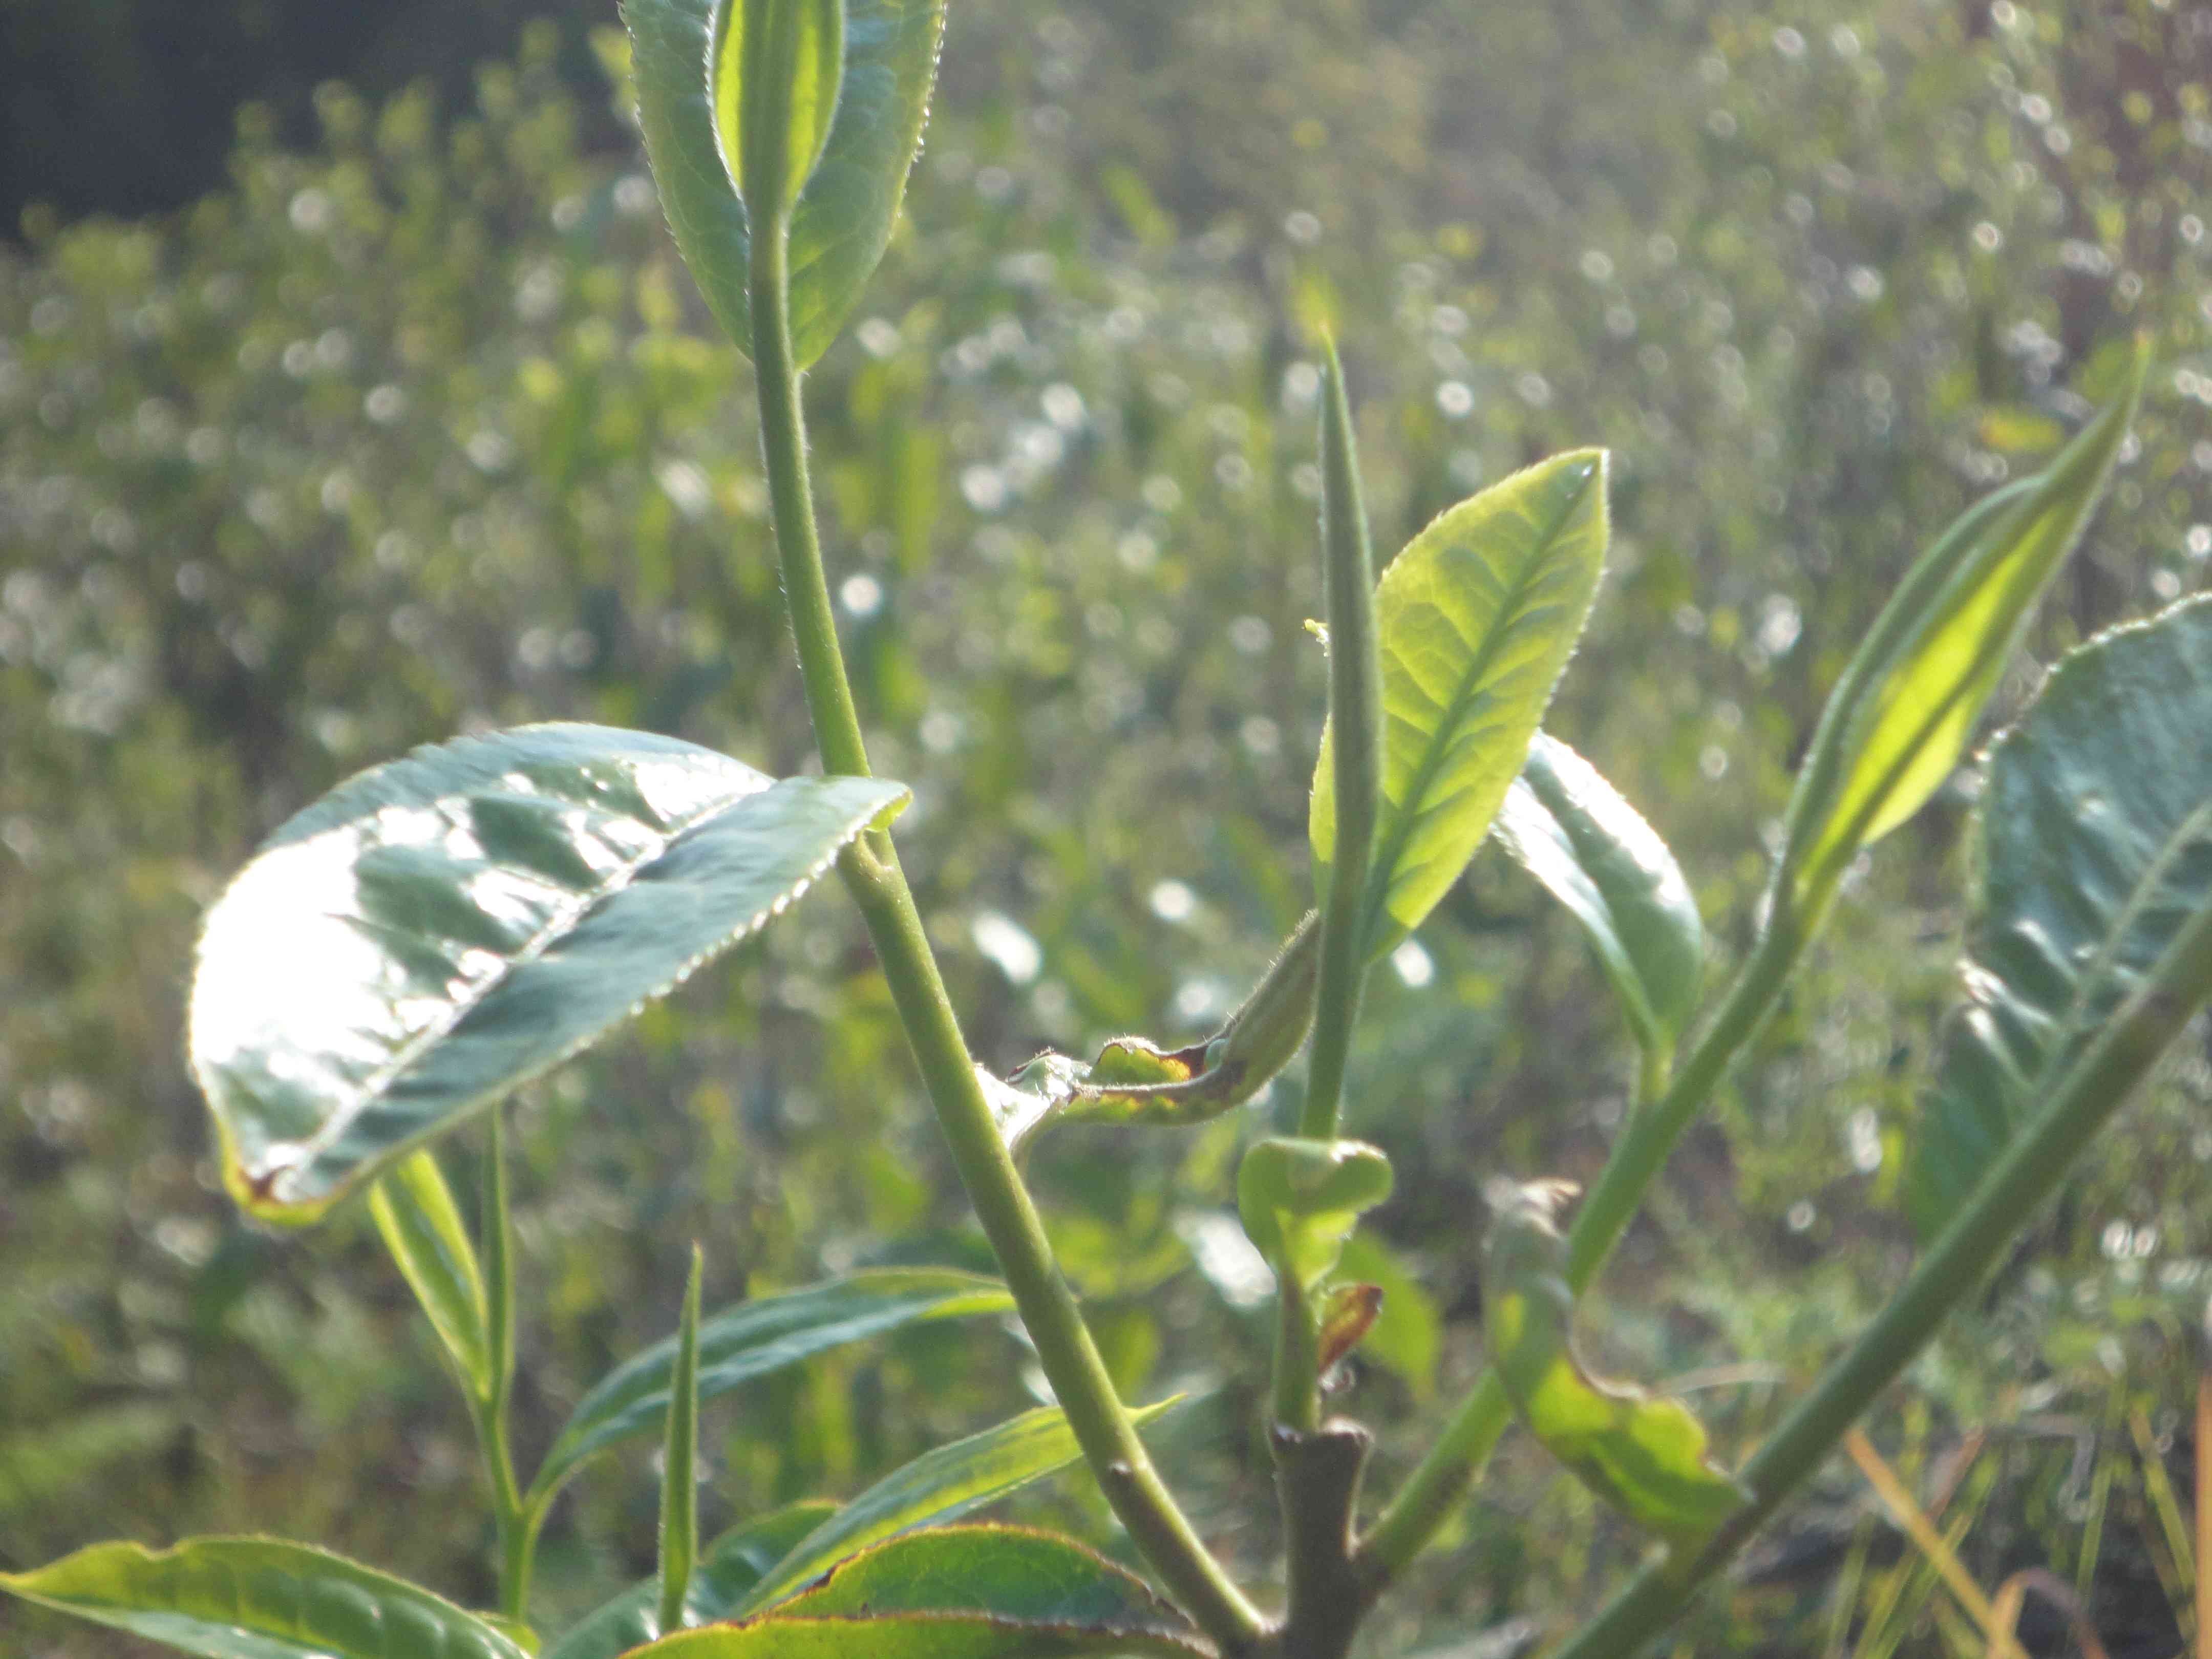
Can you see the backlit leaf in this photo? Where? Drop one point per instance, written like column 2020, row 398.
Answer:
column 939, row 1485
column 756, row 1337
column 1300, row 1198
column 1644, row 1456
column 1904, row 711
column 2096, row 833
column 843, row 219
column 441, row 929
column 1592, row 851
column 775, row 66
column 1477, row 618
column 254, row 1598
column 421, row 1227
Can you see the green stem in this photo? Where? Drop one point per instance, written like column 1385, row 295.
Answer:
column 2009, row 1194
column 1064, row 1349
column 516, row 1525
column 1441, row 1481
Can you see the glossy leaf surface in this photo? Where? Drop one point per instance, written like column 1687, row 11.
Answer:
column 442, row 928
column 421, row 1226
column 2096, row 830
column 754, row 1338
column 843, row 218
column 1477, row 618
column 1592, row 851
column 1906, row 709
column 980, row 1590
column 1643, row 1456
column 727, row 1571
column 255, row 1598
column 1299, row 1200
column 939, row 1485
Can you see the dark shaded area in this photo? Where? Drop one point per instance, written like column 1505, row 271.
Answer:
column 127, row 107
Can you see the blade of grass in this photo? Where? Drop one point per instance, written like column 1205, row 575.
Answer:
column 1908, row 1515
column 2177, row 1561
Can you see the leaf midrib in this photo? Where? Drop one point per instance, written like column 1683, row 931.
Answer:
column 1382, row 868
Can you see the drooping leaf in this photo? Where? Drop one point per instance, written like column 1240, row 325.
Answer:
column 987, row 1591
column 939, row 1486
column 1644, row 1456
column 1299, row 1201
column 421, row 1225
column 775, row 66
column 1477, row 618
column 442, row 928
column 844, row 216
column 255, row 1598
column 730, row 1567
column 679, row 1460
column 2096, row 833
column 755, row 1338
column 1592, row 851
column 1905, row 708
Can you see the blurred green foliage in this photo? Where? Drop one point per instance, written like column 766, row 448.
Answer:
column 423, row 428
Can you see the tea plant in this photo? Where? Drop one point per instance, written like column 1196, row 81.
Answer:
column 436, row 931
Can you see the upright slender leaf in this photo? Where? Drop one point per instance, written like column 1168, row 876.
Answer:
column 679, row 1462
column 1903, row 713
column 731, row 1565
column 1592, row 851
column 421, row 1227
column 1644, row 1456
column 2096, row 830
column 254, row 1598
column 1477, row 618
column 755, row 1338
column 963, row 1590
column 939, row 1485
column 442, row 928
column 843, row 219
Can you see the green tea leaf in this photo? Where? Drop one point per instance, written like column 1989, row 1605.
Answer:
column 1592, row 851
column 1905, row 708
column 949, row 1481
column 442, row 928
column 2096, row 834
column 1477, row 618
column 1644, row 1456
column 421, row 1227
column 774, row 66
column 254, row 1598
column 1299, row 1201
column 755, row 1338
column 962, row 1590
column 1134, row 1083
column 843, row 218
column 679, row 1460
column 731, row 1565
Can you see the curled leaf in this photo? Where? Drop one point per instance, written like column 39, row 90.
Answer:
column 1644, row 1456
column 1346, row 1316
column 1592, row 851
column 1299, row 1201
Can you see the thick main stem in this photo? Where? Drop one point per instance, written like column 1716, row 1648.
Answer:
column 1070, row 1359
column 1441, row 1481
column 2014, row 1189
